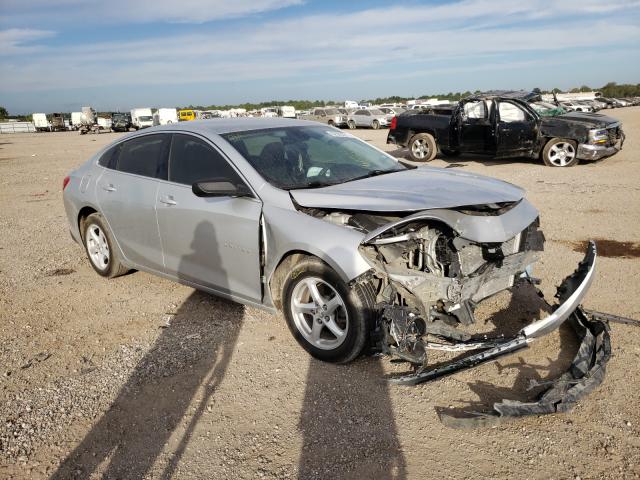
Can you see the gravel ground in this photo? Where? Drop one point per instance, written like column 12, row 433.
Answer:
column 139, row 377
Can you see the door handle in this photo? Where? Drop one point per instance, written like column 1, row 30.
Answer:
column 109, row 188
column 168, row 200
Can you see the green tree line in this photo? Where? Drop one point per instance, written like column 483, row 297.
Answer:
column 611, row 89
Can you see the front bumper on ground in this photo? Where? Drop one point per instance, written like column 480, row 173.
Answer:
column 586, row 372
column 596, row 152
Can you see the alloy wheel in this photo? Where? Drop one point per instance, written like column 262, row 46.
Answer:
column 319, row 313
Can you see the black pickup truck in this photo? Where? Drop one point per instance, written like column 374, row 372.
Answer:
column 506, row 125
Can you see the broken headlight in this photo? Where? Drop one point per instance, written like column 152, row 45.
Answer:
column 598, row 136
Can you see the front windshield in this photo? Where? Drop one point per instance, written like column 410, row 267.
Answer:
column 547, row 109
column 145, row 118
column 332, row 111
column 309, row 157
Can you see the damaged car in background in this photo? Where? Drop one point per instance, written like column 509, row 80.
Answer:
column 360, row 252
column 506, row 125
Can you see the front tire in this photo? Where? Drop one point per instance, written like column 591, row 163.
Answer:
column 422, row 148
column 560, row 152
column 375, row 125
column 329, row 319
column 99, row 245
column 351, row 124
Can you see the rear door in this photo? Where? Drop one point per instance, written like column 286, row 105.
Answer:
column 214, row 241
column 516, row 129
column 127, row 197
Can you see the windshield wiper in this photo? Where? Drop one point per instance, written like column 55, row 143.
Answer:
column 374, row 173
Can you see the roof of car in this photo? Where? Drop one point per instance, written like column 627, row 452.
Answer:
column 220, row 126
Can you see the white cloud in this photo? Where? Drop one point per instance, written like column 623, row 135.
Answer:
column 381, row 43
column 16, row 40
column 137, row 11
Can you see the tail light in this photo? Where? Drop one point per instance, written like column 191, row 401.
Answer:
column 65, row 182
column 394, row 123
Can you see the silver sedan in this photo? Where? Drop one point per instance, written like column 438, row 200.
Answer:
column 356, row 249
column 369, row 118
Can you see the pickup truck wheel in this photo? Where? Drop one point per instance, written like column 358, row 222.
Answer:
column 331, row 123
column 329, row 319
column 422, row 147
column 375, row 125
column 560, row 152
column 352, row 124
column 450, row 153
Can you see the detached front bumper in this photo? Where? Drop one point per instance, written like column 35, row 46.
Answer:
column 596, row 152
column 585, row 374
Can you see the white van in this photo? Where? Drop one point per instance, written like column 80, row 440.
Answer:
column 141, row 118
column 165, row 116
column 287, row 112
column 348, row 104
column 41, row 123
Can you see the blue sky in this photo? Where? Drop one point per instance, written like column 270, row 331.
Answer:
column 58, row 55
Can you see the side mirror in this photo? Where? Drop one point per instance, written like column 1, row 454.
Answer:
column 220, row 188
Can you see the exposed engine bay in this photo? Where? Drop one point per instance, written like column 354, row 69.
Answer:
column 429, row 281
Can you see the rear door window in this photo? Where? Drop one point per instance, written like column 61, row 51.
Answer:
column 146, row 156
column 109, row 159
column 193, row 160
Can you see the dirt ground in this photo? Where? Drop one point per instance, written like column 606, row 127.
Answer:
column 139, row 377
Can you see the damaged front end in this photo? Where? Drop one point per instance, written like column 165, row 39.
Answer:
column 429, row 279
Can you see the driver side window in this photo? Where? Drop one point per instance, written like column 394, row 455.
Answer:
column 193, row 160
column 510, row 112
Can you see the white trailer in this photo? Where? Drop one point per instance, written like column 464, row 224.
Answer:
column 165, row 116
column 41, row 123
column 104, row 123
column 76, row 120
column 141, row 118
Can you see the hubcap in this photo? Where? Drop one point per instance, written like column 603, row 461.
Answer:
column 319, row 313
column 97, row 247
column 561, row 154
column 420, row 148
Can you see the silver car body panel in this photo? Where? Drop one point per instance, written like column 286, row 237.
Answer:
column 481, row 229
column 411, row 190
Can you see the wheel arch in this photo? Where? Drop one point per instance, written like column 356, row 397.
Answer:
column 83, row 213
column 276, row 277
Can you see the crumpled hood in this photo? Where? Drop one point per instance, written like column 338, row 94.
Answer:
column 422, row 188
column 589, row 120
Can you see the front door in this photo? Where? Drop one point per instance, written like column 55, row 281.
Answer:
column 516, row 130
column 213, row 241
column 475, row 132
column 127, row 198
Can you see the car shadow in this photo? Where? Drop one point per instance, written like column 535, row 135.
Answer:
column 348, row 423
column 181, row 371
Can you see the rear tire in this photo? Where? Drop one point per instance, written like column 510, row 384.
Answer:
column 422, row 148
column 560, row 152
column 100, row 247
column 334, row 307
